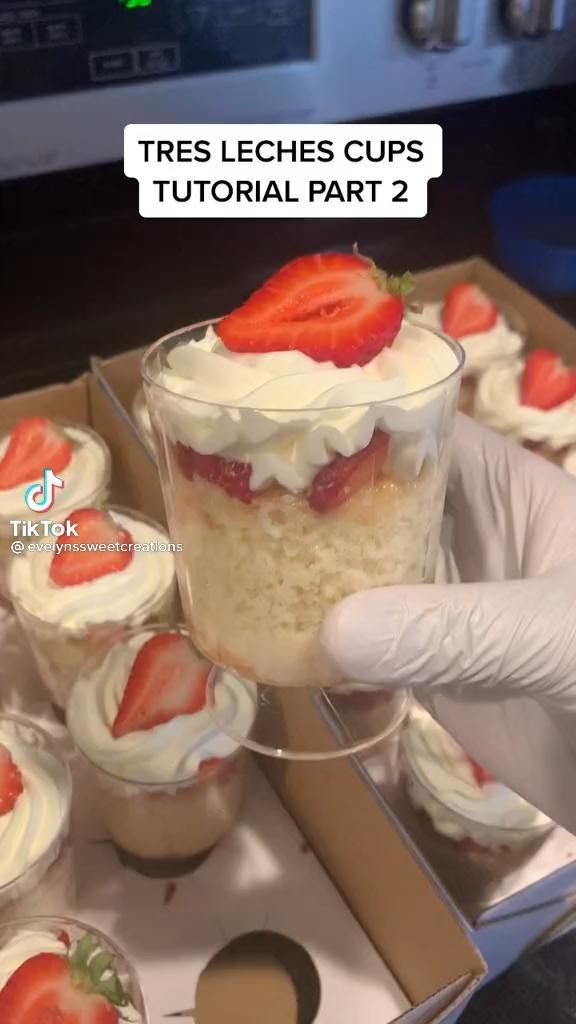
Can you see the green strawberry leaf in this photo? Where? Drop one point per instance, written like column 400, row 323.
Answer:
column 401, row 286
column 82, row 953
column 98, row 965
column 112, row 990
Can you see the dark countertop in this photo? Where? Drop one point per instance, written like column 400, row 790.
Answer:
column 83, row 274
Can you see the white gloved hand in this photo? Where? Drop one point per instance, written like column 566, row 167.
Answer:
column 494, row 661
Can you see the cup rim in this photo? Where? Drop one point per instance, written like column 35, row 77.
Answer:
column 52, row 746
column 50, row 921
column 150, row 380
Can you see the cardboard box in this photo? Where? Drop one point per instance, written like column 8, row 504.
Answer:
column 529, row 901
column 423, row 948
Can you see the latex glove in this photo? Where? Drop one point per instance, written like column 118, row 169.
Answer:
column 494, row 661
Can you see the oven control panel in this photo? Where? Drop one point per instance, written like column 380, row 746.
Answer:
column 60, row 46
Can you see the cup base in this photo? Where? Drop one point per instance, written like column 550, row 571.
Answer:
column 151, row 868
column 311, row 724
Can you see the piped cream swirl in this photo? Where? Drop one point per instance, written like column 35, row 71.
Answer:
column 446, row 788
column 40, row 814
column 129, row 594
column 498, row 405
column 499, row 346
column 168, row 753
column 86, row 478
column 287, row 415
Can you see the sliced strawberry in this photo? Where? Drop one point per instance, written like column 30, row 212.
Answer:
column 334, row 307
column 168, row 678
column 64, row 938
column 467, row 310
column 233, row 477
column 11, row 784
column 482, row 776
column 94, row 527
column 46, row 989
column 35, row 444
column 347, row 474
column 546, row 381
column 210, row 766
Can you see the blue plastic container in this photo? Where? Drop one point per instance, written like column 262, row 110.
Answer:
column 534, row 224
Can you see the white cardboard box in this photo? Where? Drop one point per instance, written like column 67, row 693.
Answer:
column 378, row 911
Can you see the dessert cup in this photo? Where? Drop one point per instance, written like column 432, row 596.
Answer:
column 68, row 626
column 498, row 404
column 86, row 482
column 249, row 486
column 473, row 832
column 29, row 937
column 499, row 346
column 36, row 867
column 185, row 775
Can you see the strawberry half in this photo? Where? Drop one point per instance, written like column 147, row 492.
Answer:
column 347, row 474
column 233, row 477
column 335, row 307
column 35, row 444
column 76, row 989
column 168, row 678
column 546, row 381
column 467, row 310
column 480, row 774
column 93, row 527
column 11, row 784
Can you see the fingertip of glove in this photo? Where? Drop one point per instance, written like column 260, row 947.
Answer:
column 353, row 641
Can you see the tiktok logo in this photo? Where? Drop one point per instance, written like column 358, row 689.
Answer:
column 39, row 497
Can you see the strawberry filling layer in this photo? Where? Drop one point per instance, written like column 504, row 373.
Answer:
column 332, row 486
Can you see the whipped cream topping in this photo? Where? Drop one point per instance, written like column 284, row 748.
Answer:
column 569, row 463
column 168, row 753
column 447, row 789
column 86, row 479
column 27, row 944
column 498, row 405
column 131, row 594
column 40, row 814
column 500, row 345
column 287, row 415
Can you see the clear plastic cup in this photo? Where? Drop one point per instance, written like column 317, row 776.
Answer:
column 36, row 866
column 86, row 482
column 27, row 937
column 257, row 576
column 141, row 417
column 62, row 643
column 471, row 850
column 185, row 776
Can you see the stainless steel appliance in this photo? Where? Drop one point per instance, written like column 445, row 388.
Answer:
column 74, row 72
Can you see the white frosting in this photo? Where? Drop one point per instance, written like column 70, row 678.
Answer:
column 500, row 345
column 458, row 805
column 168, row 753
column 41, row 811
column 498, row 405
column 126, row 595
column 86, row 474
column 27, row 944
column 288, row 415
column 570, row 462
